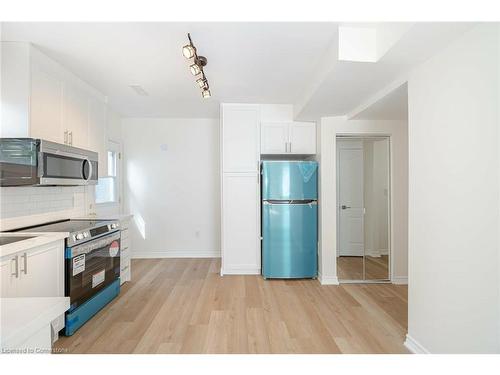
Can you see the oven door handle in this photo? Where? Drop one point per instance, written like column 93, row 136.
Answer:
column 95, row 244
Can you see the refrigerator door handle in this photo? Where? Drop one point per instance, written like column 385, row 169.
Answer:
column 294, row 202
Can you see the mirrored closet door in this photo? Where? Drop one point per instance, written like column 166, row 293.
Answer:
column 363, row 208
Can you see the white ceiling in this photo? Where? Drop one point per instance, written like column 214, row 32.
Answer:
column 345, row 85
column 393, row 106
column 247, row 62
column 289, row 63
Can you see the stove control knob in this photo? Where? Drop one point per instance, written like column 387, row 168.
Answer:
column 113, row 226
column 79, row 236
column 85, row 234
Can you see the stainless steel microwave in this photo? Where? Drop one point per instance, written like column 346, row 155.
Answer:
column 36, row 162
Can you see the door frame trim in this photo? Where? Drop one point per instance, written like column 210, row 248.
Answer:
column 363, row 136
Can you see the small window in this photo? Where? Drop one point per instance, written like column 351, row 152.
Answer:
column 106, row 190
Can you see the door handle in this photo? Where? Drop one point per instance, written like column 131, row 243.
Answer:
column 345, row 207
column 16, row 273
column 25, row 256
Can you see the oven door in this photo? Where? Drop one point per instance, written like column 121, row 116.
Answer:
column 91, row 267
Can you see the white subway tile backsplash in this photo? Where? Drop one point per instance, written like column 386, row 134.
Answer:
column 21, row 206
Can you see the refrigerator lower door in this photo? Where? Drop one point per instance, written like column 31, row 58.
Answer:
column 290, row 237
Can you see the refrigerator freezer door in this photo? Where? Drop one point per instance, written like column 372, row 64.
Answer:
column 290, row 237
column 289, row 180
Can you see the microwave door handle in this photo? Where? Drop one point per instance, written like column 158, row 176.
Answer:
column 90, row 169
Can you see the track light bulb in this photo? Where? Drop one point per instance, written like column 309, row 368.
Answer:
column 195, row 69
column 188, row 51
column 206, row 94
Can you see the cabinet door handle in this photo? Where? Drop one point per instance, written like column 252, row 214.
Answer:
column 66, row 137
column 16, row 260
column 25, row 256
column 71, row 138
column 286, row 146
column 290, row 143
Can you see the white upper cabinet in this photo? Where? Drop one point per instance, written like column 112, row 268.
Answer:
column 240, row 137
column 46, row 105
column 97, row 128
column 274, row 138
column 76, row 117
column 288, row 138
column 47, row 101
column 302, row 138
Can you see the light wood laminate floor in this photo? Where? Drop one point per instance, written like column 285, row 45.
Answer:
column 185, row 306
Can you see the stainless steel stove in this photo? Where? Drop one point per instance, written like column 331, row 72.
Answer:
column 92, row 266
column 80, row 230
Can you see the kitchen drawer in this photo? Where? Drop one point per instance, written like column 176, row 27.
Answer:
column 124, row 224
column 125, row 276
column 125, row 243
column 125, row 254
column 125, row 233
column 125, row 264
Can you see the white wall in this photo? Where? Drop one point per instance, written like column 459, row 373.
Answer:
column 330, row 127
column 171, row 185
column 454, row 198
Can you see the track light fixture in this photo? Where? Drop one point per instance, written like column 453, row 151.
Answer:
column 196, row 68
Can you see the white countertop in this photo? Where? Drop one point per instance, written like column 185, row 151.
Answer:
column 39, row 239
column 23, row 317
column 106, row 217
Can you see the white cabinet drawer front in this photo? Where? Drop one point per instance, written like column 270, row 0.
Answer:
column 125, row 254
column 125, row 244
column 125, row 234
column 125, row 265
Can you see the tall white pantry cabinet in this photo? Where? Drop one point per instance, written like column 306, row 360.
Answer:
column 240, row 166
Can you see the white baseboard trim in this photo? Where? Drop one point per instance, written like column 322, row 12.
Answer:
column 175, row 254
column 400, row 280
column 414, row 346
column 328, row 280
column 243, row 270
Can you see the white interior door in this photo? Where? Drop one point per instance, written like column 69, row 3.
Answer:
column 350, row 198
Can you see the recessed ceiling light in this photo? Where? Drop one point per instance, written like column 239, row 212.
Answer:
column 139, row 90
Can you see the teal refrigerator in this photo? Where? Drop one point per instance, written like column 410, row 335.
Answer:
column 289, row 219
